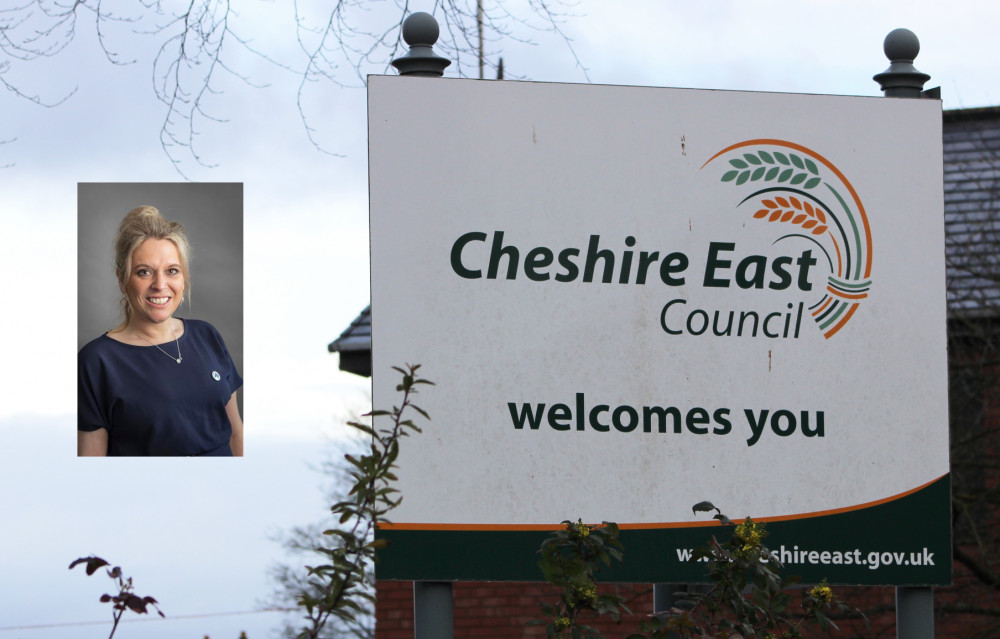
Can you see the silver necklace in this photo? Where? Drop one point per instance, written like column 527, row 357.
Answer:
column 176, row 343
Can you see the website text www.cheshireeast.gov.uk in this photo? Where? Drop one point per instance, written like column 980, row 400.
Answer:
column 873, row 560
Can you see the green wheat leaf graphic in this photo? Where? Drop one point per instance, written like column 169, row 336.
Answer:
column 753, row 167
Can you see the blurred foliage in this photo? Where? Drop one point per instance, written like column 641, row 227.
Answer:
column 341, row 588
column 303, row 543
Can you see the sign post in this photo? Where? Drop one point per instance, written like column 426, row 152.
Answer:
column 914, row 605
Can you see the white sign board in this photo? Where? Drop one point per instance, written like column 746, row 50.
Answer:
column 633, row 299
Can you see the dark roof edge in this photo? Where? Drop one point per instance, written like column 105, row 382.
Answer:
column 356, row 337
column 978, row 113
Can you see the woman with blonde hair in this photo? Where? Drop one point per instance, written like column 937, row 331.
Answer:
column 156, row 384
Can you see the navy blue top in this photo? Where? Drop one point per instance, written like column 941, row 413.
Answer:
column 150, row 404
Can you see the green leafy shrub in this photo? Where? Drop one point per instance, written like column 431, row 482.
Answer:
column 341, row 587
column 749, row 597
column 570, row 559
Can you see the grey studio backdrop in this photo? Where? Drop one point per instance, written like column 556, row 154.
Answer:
column 212, row 216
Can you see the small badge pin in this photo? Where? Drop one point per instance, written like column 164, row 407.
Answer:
column 216, row 376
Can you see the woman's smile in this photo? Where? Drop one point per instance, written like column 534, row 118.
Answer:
column 156, row 281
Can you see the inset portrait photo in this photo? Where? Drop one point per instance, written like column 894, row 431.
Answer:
column 160, row 319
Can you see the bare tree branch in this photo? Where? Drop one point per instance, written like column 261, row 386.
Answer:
column 196, row 40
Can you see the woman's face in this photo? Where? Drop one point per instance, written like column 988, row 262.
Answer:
column 155, row 285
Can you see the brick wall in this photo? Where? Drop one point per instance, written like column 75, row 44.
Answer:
column 486, row 610
column 496, row 610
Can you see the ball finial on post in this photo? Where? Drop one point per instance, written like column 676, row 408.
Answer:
column 901, row 79
column 421, row 31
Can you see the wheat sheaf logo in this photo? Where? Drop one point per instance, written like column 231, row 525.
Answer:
column 805, row 196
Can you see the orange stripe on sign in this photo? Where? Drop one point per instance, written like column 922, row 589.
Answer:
column 820, row 309
column 459, row 527
column 848, row 509
column 646, row 526
column 840, row 259
column 847, row 296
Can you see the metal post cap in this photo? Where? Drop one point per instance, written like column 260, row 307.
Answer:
column 421, row 28
column 421, row 31
column 900, row 44
column 901, row 79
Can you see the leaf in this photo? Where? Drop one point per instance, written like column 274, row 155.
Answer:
column 752, row 159
column 703, row 507
column 764, row 155
column 787, row 215
column 811, row 167
column 797, row 161
column 787, row 173
column 757, row 174
column 725, row 520
column 93, row 563
column 364, row 428
column 343, row 534
column 782, row 202
column 744, row 176
column 798, row 179
column 136, row 604
column 729, row 176
column 773, row 171
column 812, row 182
column 819, row 230
column 782, row 158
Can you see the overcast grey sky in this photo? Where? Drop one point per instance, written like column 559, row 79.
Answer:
column 195, row 534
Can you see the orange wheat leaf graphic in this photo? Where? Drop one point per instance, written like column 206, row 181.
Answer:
column 791, row 209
